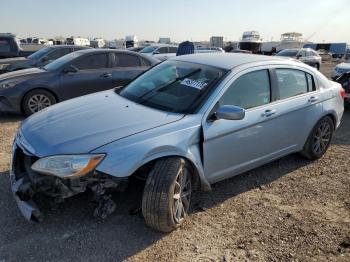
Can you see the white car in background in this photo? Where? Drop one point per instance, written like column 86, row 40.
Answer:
column 341, row 69
column 160, row 51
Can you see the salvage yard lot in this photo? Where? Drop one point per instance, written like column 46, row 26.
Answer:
column 291, row 209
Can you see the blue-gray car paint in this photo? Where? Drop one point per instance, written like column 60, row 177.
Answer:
column 98, row 123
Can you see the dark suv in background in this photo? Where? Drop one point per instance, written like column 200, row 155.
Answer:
column 38, row 59
column 10, row 46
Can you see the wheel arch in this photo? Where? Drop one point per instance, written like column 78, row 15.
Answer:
column 38, row 88
column 199, row 180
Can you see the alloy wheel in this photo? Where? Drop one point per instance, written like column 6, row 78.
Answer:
column 182, row 195
column 322, row 138
column 38, row 102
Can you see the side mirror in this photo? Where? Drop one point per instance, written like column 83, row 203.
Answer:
column 71, row 69
column 156, row 53
column 44, row 59
column 298, row 56
column 230, row 113
column 118, row 88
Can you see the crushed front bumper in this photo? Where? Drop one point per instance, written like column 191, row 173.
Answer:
column 31, row 189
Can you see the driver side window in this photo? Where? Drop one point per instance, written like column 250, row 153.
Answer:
column 163, row 50
column 96, row 61
column 249, row 90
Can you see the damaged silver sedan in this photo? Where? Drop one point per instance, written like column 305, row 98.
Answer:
column 182, row 125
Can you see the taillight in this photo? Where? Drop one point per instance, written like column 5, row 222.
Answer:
column 342, row 92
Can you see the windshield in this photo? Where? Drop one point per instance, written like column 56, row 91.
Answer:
column 148, row 49
column 58, row 63
column 173, row 86
column 40, row 53
column 289, row 53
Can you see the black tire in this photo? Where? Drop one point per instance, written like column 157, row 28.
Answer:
column 319, row 139
column 162, row 196
column 42, row 97
column 318, row 67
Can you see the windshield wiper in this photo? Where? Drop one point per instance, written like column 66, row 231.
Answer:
column 160, row 88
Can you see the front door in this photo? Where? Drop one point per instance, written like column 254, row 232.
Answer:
column 234, row 146
column 93, row 75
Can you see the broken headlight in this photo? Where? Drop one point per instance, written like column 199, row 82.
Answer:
column 67, row 166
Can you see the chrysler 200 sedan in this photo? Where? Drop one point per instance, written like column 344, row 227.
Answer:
column 184, row 124
column 79, row 73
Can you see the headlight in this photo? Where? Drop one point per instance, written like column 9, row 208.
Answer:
column 9, row 84
column 67, row 166
column 3, row 66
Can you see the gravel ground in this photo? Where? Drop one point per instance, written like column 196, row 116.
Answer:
column 289, row 210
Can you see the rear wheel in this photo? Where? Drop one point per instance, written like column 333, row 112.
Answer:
column 167, row 194
column 37, row 100
column 319, row 139
column 317, row 66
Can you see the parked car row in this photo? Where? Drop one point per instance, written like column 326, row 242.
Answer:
column 38, row 59
column 181, row 126
column 75, row 74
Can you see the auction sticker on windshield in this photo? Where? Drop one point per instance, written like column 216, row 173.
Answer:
column 193, row 83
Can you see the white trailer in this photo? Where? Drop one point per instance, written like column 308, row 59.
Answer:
column 78, row 41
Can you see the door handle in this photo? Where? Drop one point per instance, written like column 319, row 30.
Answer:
column 313, row 99
column 106, row 75
column 269, row 112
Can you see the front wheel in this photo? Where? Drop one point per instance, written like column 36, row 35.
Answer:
column 37, row 100
column 167, row 194
column 319, row 139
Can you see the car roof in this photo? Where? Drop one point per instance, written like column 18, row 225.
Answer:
column 227, row 60
column 161, row 45
column 104, row 50
column 120, row 51
column 298, row 49
column 71, row 46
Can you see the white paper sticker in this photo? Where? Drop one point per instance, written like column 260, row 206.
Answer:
column 193, row 83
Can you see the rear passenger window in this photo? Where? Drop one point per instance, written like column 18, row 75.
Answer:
column 248, row 91
column 292, row 82
column 92, row 62
column 163, row 50
column 125, row 60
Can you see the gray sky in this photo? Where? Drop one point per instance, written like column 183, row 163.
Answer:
column 322, row 20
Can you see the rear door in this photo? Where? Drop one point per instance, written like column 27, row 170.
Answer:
column 298, row 104
column 94, row 75
column 126, row 67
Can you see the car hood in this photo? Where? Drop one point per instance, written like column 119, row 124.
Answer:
column 344, row 66
column 83, row 124
column 24, row 73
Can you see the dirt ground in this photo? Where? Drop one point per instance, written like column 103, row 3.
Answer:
column 289, row 210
